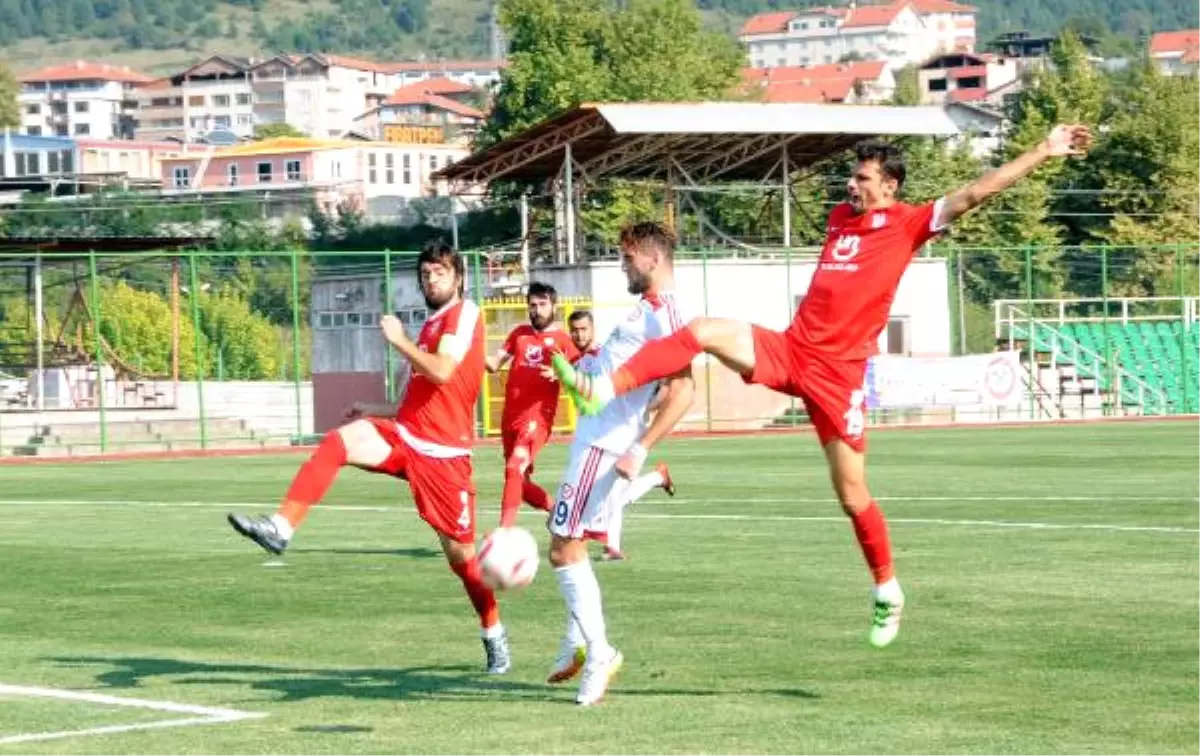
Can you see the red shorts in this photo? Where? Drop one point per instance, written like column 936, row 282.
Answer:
column 442, row 489
column 832, row 390
column 531, row 433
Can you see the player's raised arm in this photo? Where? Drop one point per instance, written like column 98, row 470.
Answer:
column 1063, row 140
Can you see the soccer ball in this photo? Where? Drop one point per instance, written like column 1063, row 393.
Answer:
column 508, row 558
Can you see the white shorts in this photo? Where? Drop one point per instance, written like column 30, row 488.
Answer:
column 590, row 491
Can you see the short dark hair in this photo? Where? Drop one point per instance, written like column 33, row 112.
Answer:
column 439, row 251
column 580, row 315
column 889, row 157
column 652, row 233
column 539, row 289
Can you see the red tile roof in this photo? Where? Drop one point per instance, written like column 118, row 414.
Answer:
column 833, row 90
column 874, row 15
column 82, row 70
column 1180, row 41
column 439, row 85
column 861, row 69
column 768, row 23
column 941, row 6
column 444, row 65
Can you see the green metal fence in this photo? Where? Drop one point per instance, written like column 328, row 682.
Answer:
column 209, row 349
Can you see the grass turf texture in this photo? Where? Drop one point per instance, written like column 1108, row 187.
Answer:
column 741, row 635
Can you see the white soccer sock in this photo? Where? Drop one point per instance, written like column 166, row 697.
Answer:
column 642, row 485
column 582, row 594
column 495, row 631
column 574, row 636
column 283, row 527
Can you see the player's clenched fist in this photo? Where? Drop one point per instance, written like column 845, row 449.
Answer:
column 393, row 329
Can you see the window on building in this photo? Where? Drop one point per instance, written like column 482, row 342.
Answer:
column 433, row 162
column 196, row 101
column 898, row 337
column 937, row 85
column 81, row 107
column 68, row 161
column 390, row 165
column 970, row 82
column 407, row 170
column 220, row 101
column 61, row 130
column 231, row 174
column 243, row 98
column 223, row 122
column 181, row 177
column 264, row 172
column 33, row 130
column 372, row 170
column 33, row 109
column 58, row 108
column 52, row 162
column 83, row 129
column 245, row 119
column 292, row 167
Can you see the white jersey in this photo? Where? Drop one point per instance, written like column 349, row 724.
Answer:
column 620, row 424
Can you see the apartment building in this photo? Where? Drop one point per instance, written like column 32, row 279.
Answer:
column 981, row 78
column 901, row 32
column 79, row 99
column 321, row 95
column 429, row 111
column 380, row 178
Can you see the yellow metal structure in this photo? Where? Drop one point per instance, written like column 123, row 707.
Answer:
column 500, row 316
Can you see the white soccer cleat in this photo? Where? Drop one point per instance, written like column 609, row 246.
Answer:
column 570, row 660
column 888, row 601
column 597, row 676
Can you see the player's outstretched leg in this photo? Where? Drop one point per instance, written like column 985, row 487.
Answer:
column 730, row 341
column 464, row 563
column 847, row 468
column 356, row 443
column 581, row 592
column 637, row 488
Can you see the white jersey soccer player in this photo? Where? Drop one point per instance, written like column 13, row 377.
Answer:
column 607, row 454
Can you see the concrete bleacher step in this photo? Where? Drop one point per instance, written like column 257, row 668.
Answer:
column 126, row 447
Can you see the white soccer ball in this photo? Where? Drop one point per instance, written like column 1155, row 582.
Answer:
column 508, row 558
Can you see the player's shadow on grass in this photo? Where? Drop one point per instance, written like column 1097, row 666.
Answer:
column 413, row 553
column 293, row 684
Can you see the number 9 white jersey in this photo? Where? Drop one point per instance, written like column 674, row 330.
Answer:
column 623, row 421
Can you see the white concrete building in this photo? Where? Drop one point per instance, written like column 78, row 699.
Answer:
column 79, row 99
column 901, row 32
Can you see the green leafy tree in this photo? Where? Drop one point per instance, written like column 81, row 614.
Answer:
column 10, row 111
column 276, row 130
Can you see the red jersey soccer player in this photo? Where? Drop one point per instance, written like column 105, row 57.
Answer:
column 822, row 356
column 426, row 442
column 530, row 399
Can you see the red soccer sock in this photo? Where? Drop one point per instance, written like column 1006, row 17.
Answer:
column 510, row 498
column 657, row 359
column 871, row 531
column 535, row 496
column 482, row 597
column 314, row 478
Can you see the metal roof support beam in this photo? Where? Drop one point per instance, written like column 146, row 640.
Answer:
column 747, row 152
column 539, row 147
column 631, row 152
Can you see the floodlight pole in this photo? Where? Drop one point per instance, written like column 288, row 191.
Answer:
column 569, row 202
column 787, row 197
column 525, row 233
column 39, row 313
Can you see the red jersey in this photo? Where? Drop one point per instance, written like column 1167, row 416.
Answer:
column 847, row 304
column 442, row 417
column 528, row 392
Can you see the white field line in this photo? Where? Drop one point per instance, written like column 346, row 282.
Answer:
column 960, row 522
column 200, row 715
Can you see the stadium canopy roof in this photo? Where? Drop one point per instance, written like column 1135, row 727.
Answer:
column 707, row 141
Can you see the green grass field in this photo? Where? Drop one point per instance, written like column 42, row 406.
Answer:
column 1051, row 575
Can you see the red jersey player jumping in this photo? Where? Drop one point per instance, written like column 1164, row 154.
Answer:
column 427, row 441
column 822, row 356
column 530, row 399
